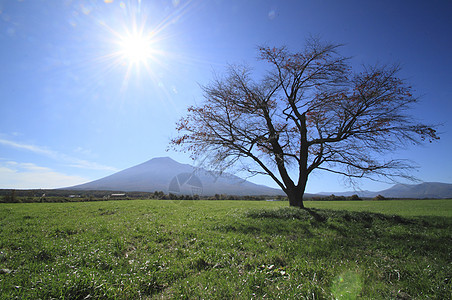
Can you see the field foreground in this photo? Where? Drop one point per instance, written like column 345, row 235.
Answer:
column 226, row 250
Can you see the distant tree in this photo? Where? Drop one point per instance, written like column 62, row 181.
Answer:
column 333, row 197
column 158, row 195
column 5, row 198
column 13, row 197
column 354, row 198
column 379, row 197
column 30, row 197
column 308, row 112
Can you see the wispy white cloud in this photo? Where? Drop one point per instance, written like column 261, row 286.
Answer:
column 32, row 148
column 15, row 175
column 83, row 151
column 60, row 157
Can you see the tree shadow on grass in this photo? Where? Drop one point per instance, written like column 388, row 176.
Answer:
column 323, row 215
column 355, row 227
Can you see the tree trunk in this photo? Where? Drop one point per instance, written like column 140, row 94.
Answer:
column 295, row 196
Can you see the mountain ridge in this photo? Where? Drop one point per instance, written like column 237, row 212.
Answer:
column 167, row 175
column 437, row 190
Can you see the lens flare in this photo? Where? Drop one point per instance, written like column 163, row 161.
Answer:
column 347, row 285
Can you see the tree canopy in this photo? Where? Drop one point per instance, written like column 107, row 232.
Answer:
column 309, row 111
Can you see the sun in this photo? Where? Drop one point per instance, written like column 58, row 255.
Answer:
column 136, row 48
column 137, row 45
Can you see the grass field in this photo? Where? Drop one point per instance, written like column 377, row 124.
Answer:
column 226, row 250
column 405, row 208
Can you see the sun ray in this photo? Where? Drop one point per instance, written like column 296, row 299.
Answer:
column 139, row 47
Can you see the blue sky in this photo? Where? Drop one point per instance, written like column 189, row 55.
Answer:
column 75, row 108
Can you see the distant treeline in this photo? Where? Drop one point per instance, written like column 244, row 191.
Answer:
column 344, row 198
column 40, row 195
column 336, row 198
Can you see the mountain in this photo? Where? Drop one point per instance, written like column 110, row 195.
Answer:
column 167, row 175
column 422, row 190
column 417, row 191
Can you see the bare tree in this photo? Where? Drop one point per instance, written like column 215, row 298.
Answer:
column 309, row 111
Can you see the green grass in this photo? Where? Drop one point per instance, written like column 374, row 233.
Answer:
column 226, row 250
column 406, row 208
